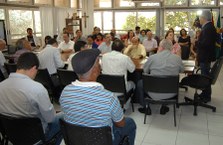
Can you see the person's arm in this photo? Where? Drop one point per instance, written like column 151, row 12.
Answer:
column 57, row 58
column 44, row 105
column 120, row 123
column 143, row 52
column 130, row 65
column 146, row 67
column 117, row 112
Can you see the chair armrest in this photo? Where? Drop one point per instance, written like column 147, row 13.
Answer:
column 197, row 81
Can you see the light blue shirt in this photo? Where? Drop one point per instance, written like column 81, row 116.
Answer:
column 104, row 48
column 23, row 97
column 163, row 63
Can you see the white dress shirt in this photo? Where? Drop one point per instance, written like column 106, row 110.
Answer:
column 116, row 63
column 149, row 44
column 50, row 58
column 65, row 46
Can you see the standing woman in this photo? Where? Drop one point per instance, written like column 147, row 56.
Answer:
column 184, row 41
column 130, row 35
column 194, row 44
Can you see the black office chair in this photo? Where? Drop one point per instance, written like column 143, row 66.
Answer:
column 3, row 137
column 2, row 77
column 66, row 76
column 116, row 83
column 161, row 84
column 79, row 135
column 201, row 82
column 10, row 67
column 24, row 131
column 44, row 78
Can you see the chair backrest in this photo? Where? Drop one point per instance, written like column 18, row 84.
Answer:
column 12, row 49
column 10, row 67
column 80, row 135
column 160, row 84
column 113, row 83
column 22, row 131
column 2, row 77
column 44, row 78
column 215, row 70
column 66, row 76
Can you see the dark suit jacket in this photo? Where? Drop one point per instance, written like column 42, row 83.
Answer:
column 206, row 43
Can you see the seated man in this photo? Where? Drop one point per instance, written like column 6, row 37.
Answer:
column 22, row 97
column 162, row 63
column 78, row 46
column 150, row 44
column 116, row 63
column 136, row 50
column 50, row 57
column 85, row 102
column 106, row 46
column 66, row 46
column 22, row 46
column 33, row 40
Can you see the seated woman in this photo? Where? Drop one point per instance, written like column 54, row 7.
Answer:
column 99, row 39
column 184, row 41
column 176, row 49
column 130, row 35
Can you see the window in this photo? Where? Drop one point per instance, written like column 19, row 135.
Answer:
column 37, row 22
column 203, row 2
column 182, row 19
column 124, row 3
column 20, row 1
column 102, row 3
column 103, row 20
column 149, row 4
column 20, row 20
column 2, row 14
column 177, row 20
column 221, row 2
column 43, row 2
column 175, row 2
column 147, row 20
column 62, row 3
column 98, row 19
column 125, row 20
column 107, row 22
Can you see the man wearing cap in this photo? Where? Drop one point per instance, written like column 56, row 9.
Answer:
column 206, row 49
column 85, row 102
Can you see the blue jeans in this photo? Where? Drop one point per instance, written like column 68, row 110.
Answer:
column 53, row 128
column 128, row 130
column 205, row 70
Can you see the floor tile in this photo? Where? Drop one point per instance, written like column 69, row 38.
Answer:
column 188, row 138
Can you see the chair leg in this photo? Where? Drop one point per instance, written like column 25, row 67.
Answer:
column 174, row 113
column 147, row 108
column 132, row 106
column 208, row 106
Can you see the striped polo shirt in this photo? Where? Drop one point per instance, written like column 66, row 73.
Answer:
column 89, row 104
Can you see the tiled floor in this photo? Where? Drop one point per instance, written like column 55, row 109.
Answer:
column 204, row 129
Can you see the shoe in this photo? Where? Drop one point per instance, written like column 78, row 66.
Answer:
column 164, row 110
column 143, row 110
